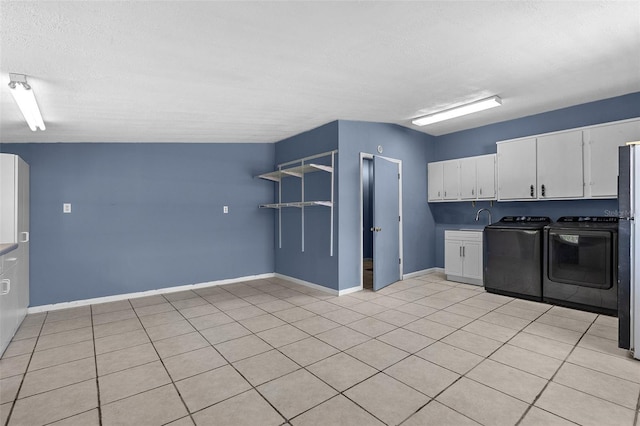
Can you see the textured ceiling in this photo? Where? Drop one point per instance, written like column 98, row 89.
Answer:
column 183, row 71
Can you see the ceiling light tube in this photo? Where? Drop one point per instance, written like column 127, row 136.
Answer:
column 26, row 100
column 481, row 105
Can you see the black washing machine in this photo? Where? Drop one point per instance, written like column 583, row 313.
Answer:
column 513, row 254
column 581, row 260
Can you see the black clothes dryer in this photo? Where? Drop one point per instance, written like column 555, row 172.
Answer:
column 581, row 260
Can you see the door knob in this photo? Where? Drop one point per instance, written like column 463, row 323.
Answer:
column 376, row 229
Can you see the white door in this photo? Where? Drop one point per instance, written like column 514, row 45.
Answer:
column 517, row 169
column 486, row 176
column 468, row 178
column 602, row 144
column 434, row 181
column 560, row 173
column 450, row 180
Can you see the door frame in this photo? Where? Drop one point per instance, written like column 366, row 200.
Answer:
column 367, row 156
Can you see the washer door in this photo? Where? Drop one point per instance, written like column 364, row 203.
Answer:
column 582, row 258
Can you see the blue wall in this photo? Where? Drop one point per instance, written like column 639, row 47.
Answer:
column 315, row 264
column 144, row 216
column 415, row 149
column 482, row 140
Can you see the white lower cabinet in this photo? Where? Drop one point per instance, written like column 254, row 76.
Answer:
column 10, row 310
column 14, row 229
column 463, row 256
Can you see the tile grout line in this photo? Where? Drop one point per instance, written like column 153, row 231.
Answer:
column 537, row 397
column 163, row 366
column 26, row 370
column 232, row 366
column 95, row 361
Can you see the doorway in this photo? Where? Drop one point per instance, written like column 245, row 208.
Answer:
column 380, row 221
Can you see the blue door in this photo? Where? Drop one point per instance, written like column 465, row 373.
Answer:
column 386, row 223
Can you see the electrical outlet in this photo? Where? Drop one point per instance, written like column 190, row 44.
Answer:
column 225, row 209
column 66, row 208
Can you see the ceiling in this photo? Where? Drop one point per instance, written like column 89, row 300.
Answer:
column 179, row 71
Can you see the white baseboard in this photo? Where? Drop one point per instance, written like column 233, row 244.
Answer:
column 114, row 298
column 117, row 297
column 308, row 284
column 349, row 290
column 423, row 272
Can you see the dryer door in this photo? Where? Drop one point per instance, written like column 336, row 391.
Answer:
column 581, row 257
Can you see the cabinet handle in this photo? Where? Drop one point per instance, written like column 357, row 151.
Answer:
column 25, row 237
column 480, row 191
column 445, row 193
column 473, row 191
column 6, row 286
column 438, row 193
column 463, row 251
column 531, row 190
column 542, row 190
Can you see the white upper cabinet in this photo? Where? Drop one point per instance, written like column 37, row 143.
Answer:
column 468, row 178
column 451, row 183
column 434, row 181
column 578, row 163
column 601, row 156
column 486, row 177
column 559, row 165
column 517, row 169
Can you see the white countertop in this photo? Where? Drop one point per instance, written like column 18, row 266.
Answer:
column 6, row 248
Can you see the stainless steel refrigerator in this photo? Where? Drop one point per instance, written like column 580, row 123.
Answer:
column 628, row 248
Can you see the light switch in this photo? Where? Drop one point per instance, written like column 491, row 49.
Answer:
column 66, row 208
column 225, row 209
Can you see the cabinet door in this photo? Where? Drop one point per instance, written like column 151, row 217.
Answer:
column 560, row 173
column 468, row 178
column 22, row 223
column 450, row 180
column 472, row 259
column 517, row 169
column 602, row 144
column 8, row 308
column 8, row 198
column 453, row 257
column 434, row 181
column 486, row 176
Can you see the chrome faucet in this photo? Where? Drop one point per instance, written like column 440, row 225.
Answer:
column 483, row 210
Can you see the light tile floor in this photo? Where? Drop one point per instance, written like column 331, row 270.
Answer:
column 269, row 352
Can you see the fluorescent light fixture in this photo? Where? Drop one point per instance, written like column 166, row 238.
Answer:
column 26, row 100
column 481, row 105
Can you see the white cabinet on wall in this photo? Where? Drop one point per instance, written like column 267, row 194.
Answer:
column 467, row 178
column 463, row 256
column 434, row 179
column 601, row 156
column 463, row 179
column 517, row 169
column 559, row 165
column 486, row 177
column 546, row 167
column 14, row 229
column 574, row 164
column 450, row 180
